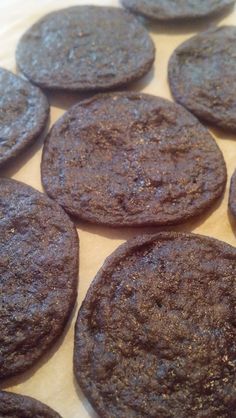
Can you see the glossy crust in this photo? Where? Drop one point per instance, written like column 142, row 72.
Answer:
column 155, row 336
column 132, row 159
column 38, row 275
column 232, row 195
column 202, row 76
column 24, row 113
column 171, row 10
column 18, row 406
column 85, row 48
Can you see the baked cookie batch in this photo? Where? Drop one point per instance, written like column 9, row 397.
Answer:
column 155, row 335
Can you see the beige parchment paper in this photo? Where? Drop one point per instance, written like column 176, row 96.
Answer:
column 51, row 380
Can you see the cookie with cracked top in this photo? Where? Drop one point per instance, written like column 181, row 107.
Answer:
column 232, row 195
column 24, row 113
column 85, row 48
column 202, row 76
column 155, row 335
column 174, row 10
column 38, row 275
column 18, row 406
column 130, row 159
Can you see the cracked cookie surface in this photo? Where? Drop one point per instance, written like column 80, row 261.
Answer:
column 24, row 113
column 132, row 159
column 85, row 48
column 202, row 76
column 38, row 275
column 155, row 335
column 17, row 406
column 170, row 10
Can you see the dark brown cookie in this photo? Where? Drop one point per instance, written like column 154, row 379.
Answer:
column 24, row 112
column 202, row 76
column 38, row 274
column 232, row 195
column 18, row 406
column 85, row 48
column 132, row 159
column 155, row 336
column 171, row 10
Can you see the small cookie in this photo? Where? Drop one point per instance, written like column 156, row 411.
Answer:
column 38, row 275
column 155, row 335
column 232, row 195
column 171, row 10
column 24, row 113
column 202, row 76
column 130, row 159
column 18, row 406
column 85, row 48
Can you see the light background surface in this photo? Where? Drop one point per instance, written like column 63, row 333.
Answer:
column 51, row 380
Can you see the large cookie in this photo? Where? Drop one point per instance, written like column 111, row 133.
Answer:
column 23, row 114
column 171, row 10
column 85, row 48
column 38, row 274
column 232, row 195
column 155, row 336
column 202, row 76
column 132, row 159
column 18, row 406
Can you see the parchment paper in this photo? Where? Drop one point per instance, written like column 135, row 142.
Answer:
column 51, row 380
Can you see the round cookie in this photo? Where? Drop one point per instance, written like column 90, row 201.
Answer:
column 155, row 336
column 171, row 10
column 85, row 48
column 38, row 274
column 131, row 159
column 24, row 113
column 18, row 406
column 232, row 195
column 202, row 76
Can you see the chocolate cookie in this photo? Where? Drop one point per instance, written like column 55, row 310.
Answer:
column 202, row 76
column 85, row 48
column 38, row 274
column 155, row 336
column 132, row 159
column 232, row 195
column 23, row 114
column 171, row 10
column 18, row 406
